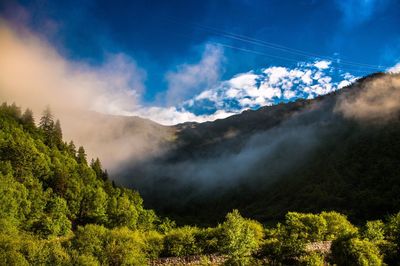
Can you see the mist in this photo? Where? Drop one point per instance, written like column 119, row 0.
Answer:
column 243, row 159
column 255, row 159
column 379, row 100
column 138, row 151
column 34, row 75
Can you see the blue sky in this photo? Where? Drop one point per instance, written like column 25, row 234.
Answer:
column 208, row 59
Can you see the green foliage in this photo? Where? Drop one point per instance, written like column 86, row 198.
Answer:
column 281, row 246
column 210, row 240
column 122, row 210
column 28, row 250
column 55, row 209
column 353, row 251
column 181, row 242
column 14, row 202
column 374, row 231
column 81, row 156
column 312, row 259
column 318, row 227
column 289, row 240
column 154, row 244
column 54, row 221
column 47, row 188
column 27, row 120
column 241, row 237
column 337, row 225
column 308, row 227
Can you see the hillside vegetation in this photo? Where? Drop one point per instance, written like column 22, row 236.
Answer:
column 56, row 208
column 337, row 152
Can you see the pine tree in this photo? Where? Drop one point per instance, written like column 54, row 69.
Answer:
column 71, row 148
column 105, row 175
column 15, row 110
column 46, row 121
column 57, row 134
column 81, row 157
column 96, row 166
column 47, row 126
column 27, row 119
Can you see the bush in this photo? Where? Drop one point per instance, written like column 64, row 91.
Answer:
column 312, row 259
column 337, row 226
column 181, row 242
column 209, row 240
column 124, row 247
column 306, row 226
column 154, row 244
column 353, row 251
column 241, row 238
column 278, row 248
column 374, row 231
column 119, row 246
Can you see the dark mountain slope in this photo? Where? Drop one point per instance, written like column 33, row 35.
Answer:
column 336, row 152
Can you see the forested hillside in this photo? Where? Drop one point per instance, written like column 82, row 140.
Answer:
column 56, row 208
column 337, row 152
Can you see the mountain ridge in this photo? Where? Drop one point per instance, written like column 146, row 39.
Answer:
column 244, row 160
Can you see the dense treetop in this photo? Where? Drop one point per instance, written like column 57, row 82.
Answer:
column 58, row 209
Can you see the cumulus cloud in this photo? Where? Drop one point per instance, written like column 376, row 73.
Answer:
column 35, row 74
column 394, row 69
column 323, row 64
column 190, row 79
column 173, row 115
column 272, row 85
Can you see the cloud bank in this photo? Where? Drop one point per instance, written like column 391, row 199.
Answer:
column 33, row 74
column 190, row 79
column 36, row 74
column 269, row 86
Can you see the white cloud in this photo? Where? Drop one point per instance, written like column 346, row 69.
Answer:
column 343, row 84
column 243, row 81
column 323, row 64
column 34, row 74
column 115, row 86
column 306, row 77
column 173, row 116
column 190, row 79
column 394, row 69
column 269, row 92
column 276, row 73
column 272, row 85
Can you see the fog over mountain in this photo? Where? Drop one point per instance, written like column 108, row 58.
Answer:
column 254, row 151
column 208, row 132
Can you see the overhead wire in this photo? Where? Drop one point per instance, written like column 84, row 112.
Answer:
column 343, row 63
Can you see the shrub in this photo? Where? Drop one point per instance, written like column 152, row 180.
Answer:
column 374, row 231
column 312, row 259
column 241, row 238
column 353, row 251
column 181, row 242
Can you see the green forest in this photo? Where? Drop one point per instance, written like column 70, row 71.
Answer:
column 58, row 207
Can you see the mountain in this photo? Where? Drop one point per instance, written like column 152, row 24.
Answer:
column 57, row 208
column 336, row 152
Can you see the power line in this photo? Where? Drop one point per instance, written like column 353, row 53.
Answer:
column 280, row 57
column 275, row 46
